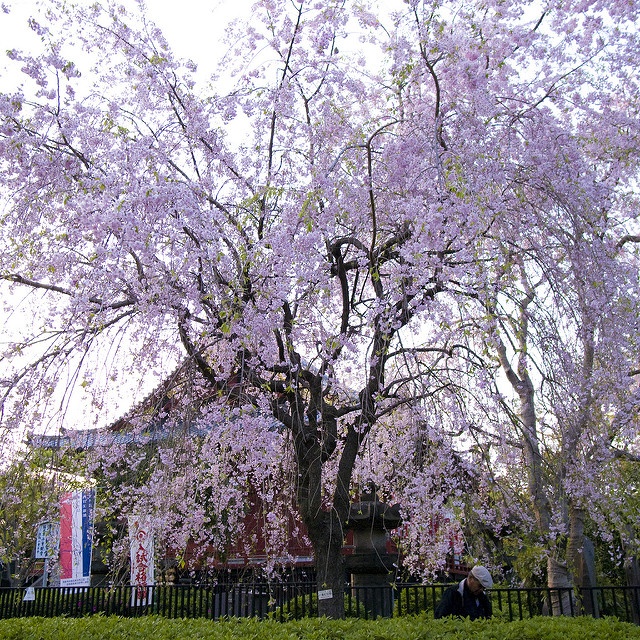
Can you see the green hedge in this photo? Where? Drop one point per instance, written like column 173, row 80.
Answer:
column 408, row 628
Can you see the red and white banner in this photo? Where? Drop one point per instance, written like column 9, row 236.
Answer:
column 76, row 537
column 142, row 565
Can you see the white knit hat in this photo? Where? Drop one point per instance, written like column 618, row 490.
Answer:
column 483, row 576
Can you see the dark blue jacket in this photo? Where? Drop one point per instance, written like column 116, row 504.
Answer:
column 467, row 606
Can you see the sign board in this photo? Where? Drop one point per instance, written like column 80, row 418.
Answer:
column 76, row 537
column 30, row 594
column 47, row 540
column 142, row 561
column 325, row 594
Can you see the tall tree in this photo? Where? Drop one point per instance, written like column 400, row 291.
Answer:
column 309, row 231
column 562, row 313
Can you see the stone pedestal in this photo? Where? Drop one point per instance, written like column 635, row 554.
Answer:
column 370, row 565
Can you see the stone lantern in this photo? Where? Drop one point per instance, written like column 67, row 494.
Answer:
column 370, row 565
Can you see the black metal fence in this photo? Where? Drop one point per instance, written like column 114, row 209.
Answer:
column 518, row 604
column 291, row 600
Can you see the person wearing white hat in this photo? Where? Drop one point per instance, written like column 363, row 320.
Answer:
column 468, row 599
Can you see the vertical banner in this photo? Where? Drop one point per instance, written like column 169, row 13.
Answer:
column 47, row 541
column 76, row 537
column 47, row 546
column 142, row 564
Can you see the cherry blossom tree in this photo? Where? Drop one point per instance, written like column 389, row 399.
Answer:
column 26, row 486
column 559, row 318
column 308, row 239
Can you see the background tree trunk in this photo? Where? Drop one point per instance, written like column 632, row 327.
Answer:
column 632, row 574
column 580, row 560
column 559, row 581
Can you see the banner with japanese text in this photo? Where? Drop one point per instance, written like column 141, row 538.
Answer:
column 47, row 540
column 142, row 564
column 76, row 537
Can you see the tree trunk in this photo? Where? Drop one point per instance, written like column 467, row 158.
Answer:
column 329, row 565
column 325, row 524
column 559, row 582
column 580, row 560
column 575, row 544
column 632, row 574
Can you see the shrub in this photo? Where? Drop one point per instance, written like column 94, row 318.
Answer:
column 157, row 628
column 306, row 606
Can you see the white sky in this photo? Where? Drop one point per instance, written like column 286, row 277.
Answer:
column 194, row 30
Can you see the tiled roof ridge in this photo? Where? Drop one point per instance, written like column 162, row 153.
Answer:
column 151, row 399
